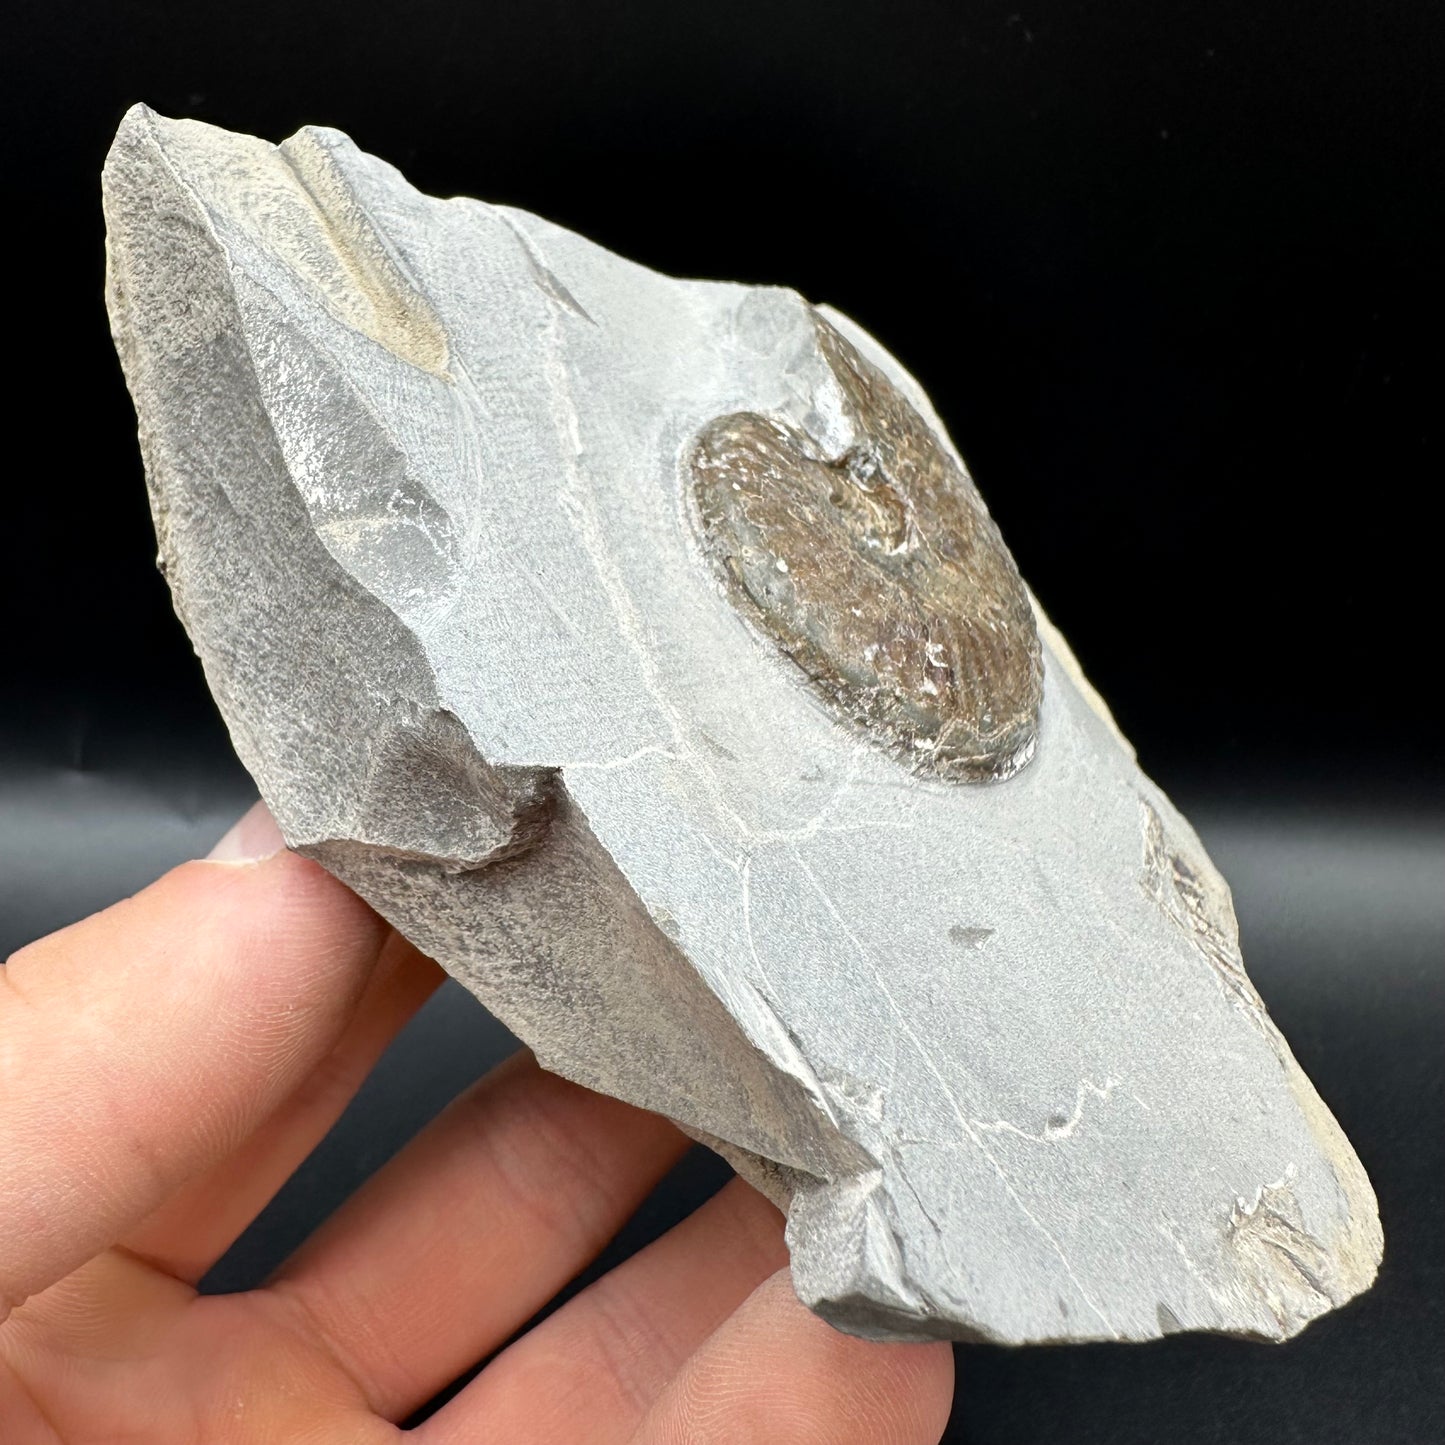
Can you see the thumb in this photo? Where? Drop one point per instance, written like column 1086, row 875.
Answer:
column 141, row 1045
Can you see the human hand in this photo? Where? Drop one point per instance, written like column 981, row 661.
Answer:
column 166, row 1064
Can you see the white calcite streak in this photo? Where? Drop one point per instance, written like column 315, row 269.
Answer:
column 421, row 473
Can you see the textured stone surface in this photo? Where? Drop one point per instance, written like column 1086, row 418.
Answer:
column 445, row 495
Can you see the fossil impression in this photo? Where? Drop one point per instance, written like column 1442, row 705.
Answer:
column 642, row 650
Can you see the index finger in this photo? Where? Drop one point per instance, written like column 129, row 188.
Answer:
column 141, row 1045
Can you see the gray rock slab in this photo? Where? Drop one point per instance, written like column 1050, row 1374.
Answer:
column 904, row 932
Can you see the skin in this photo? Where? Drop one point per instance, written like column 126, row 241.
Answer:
column 166, row 1064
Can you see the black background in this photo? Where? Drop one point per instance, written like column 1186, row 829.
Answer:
column 1170, row 274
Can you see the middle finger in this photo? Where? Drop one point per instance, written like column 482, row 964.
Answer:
column 470, row 1230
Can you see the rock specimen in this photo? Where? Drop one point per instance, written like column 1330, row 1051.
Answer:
column 643, row 651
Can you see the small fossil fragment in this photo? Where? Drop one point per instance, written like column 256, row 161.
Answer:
column 641, row 649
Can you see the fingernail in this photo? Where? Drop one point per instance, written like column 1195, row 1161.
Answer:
column 253, row 837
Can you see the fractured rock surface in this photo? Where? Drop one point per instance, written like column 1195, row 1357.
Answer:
column 643, row 651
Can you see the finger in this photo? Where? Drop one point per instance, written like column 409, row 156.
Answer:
column 118, row 1352
column 471, row 1229
column 195, row 1227
column 592, row 1370
column 774, row 1371
column 140, row 1046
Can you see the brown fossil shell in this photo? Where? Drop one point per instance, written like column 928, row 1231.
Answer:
column 879, row 573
